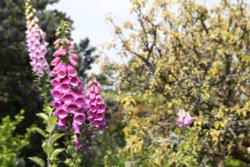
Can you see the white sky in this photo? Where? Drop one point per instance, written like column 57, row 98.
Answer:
column 89, row 19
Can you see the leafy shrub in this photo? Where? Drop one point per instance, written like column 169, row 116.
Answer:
column 11, row 143
column 183, row 55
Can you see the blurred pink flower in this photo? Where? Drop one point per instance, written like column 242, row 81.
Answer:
column 184, row 119
column 96, row 105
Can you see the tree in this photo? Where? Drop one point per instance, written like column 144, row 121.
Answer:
column 183, row 55
column 87, row 58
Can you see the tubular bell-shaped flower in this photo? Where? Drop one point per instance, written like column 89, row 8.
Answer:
column 35, row 42
column 96, row 105
column 67, row 92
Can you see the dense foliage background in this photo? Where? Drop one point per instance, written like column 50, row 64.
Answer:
column 178, row 55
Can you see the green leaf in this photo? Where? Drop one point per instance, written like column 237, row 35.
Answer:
column 47, row 109
column 47, row 147
column 40, row 131
column 56, row 152
column 52, row 122
column 22, row 111
column 43, row 116
column 55, row 137
column 38, row 161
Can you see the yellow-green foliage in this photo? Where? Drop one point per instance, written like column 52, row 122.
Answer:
column 10, row 143
column 184, row 55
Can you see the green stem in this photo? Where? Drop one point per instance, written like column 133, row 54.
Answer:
column 44, row 89
column 49, row 163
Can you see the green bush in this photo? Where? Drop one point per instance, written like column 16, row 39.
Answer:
column 11, row 143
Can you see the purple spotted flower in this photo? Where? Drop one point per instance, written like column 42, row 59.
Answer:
column 67, row 92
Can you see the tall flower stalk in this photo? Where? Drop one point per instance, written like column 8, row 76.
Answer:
column 68, row 100
column 97, row 106
column 35, row 42
column 73, row 106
